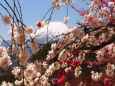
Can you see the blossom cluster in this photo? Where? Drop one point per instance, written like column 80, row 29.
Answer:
column 85, row 51
column 105, row 13
column 5, row 59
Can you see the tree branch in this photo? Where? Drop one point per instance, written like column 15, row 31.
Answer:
column 94, row 48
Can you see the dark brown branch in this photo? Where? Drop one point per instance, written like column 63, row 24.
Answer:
column 18, row 20
column 47, row 13
column 56, row 56
column 59, row 36
column 20, row 9
column 44, row 17
column 49, row 19
column 6, row 10
column 94, row 48
column 16, row 8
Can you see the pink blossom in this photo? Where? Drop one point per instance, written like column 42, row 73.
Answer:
column 18, row 72
column 111, row 4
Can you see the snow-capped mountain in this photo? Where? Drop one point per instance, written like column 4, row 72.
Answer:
column 54, row 29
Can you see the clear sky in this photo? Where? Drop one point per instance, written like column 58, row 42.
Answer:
column 34, row 10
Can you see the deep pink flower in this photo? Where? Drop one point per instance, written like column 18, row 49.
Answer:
column 74, row 52
column 55, row 81
column 61, row 72
column 76, row 62
column 69, row 62
column 104, row 1
column 107, row 82
column 60, row 80
column 69, row 71
column 39, row 24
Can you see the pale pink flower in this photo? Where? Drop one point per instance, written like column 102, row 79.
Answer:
column 110, row 69
column 44, row 81
column 54, row 46
column 100, row 55
column 56, row 4
column 66, row 19
column 5, row 61
column 18, row 83
column 57, row 65
column 48, row 57
column 3, row 51
column 92, row 40
column 111, row 4
column 32, row 70
column 48, row 73
column 95, row 22
column 85, row 38
column 103, row 10
column 52, row 67
column 77, row 71
column 36, row 80
column 19, row 38
column 64, row 1
column 23, row 57
column 45, row 64
column 111, row 46
column 64, row 64
column 34, row 46
column 29, row 30
column 89, row 17
column 94, row 3
column 68, row 70
column 6, row 20
column 17, row 72
column 96, row 76
column 6, row 84
column 67, row 84
column 51, row 52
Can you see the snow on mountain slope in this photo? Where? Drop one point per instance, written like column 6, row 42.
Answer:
column 54, row 29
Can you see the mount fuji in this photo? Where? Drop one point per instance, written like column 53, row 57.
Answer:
column 52, row 30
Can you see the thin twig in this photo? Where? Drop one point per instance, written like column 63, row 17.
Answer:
column 4, row 40
column 49, row 19
column 18, row 20
column 20, row 9
column 46, row 13
column 1, row 15
column 58, row 36
column 16, row 8
column 6, row 10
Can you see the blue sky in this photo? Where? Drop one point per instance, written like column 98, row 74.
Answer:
column 34, row 10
